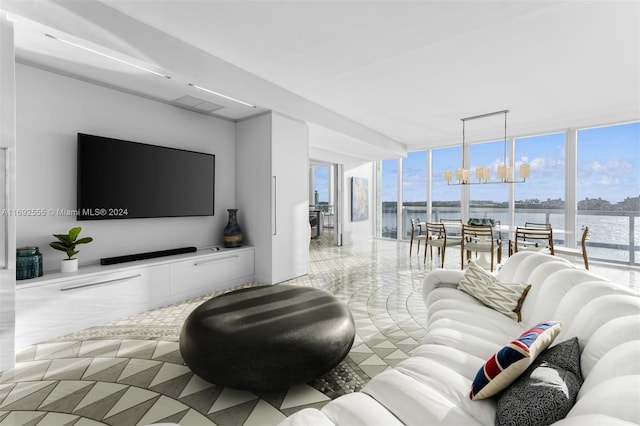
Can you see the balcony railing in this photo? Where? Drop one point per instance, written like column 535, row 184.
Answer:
column 614, row 235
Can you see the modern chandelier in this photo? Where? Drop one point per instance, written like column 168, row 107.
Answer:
column 483, row 174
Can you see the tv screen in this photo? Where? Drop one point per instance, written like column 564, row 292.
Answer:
column 119, row 179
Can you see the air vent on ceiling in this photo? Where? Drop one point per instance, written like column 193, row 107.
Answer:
column 196, row 104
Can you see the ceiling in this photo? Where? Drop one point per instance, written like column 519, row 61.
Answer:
column 374, row 79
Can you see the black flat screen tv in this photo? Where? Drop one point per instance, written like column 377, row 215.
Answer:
column 120, row 179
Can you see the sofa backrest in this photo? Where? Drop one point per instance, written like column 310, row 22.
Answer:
column 550, row 291
column 539, row 303
column 608, row 330
column 510, row 266
column 533, row 268
column 604, row 316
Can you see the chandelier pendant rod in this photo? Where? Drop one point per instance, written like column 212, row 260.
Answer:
column 462, row 156
column 489, row 114
column 505, row 137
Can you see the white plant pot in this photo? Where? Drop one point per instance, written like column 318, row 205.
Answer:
column 69, row 265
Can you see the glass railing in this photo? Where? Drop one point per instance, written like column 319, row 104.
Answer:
column 614, row 236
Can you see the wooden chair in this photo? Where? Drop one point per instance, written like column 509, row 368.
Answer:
column 575, row 251
column 479, row 239
column 416, row 234
column 533, row 239
column 453, row 226
column 534, row 245
column 537, row 225
column 437, row 237
column 451, row 221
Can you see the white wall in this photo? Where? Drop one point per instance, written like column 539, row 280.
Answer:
column 52, row 109
column 353, row 232
column 7, row 194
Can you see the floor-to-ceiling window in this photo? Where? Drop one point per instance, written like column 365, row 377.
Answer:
column 541, row 198
column 445, row 199
column 414, row 190
column 387, row 200
column 322, row 195
column 321, row 187
column 608, row 190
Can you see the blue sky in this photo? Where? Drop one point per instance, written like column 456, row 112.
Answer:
column 609, row 162
column 322, row 183
column 608, row 167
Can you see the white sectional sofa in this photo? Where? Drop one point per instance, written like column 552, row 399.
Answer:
column 432, row 386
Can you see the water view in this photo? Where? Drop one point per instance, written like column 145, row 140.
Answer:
column 612, row 231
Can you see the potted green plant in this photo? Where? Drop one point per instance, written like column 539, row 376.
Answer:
column 67, row 243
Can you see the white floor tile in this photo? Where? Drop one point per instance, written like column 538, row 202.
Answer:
column 230, row 398
column 302, row 395
column 264, row 415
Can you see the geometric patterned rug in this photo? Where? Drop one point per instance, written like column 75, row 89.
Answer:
column 120, row 382
column 130, row 371
column 126, row 375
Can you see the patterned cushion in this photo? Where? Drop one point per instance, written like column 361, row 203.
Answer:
column 546, row 391
column 512, row 360
column 506, row 298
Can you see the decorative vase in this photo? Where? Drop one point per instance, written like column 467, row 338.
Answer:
column 232, row 232
column 28, row 263
column 69, row 265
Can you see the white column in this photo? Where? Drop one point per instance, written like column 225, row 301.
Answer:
column 465, row 190
column 400, row 210
column 512, row 186
column 377, row 198
column 332, row 182
column 7, row 194
column 429, row 184
column 339, row 210
column 571, row 187
column 312, row 184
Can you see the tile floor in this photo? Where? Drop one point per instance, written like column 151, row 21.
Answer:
column 130, row 371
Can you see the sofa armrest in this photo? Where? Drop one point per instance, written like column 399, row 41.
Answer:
column 440, row 278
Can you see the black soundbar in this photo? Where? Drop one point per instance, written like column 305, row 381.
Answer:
column 148, row 255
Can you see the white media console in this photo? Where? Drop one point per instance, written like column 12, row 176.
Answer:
column 57, row 304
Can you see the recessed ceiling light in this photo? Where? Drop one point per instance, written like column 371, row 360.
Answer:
column 222, row 96
column 88, row 49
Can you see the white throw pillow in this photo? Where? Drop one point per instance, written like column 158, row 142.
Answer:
column 505, row 298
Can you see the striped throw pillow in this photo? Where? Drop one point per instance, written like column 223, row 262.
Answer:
column 506, row 298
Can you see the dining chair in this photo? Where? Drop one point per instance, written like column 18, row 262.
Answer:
column 479, row 239
column 453, row 226
column 577, row 251
column 416, row 234
column 537, row 225
column 533, row 239
column 534, row 245
column 437, row 237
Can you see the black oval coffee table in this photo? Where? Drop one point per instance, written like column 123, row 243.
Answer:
column 267, row 337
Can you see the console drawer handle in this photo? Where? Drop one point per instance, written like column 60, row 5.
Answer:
column 204, row 262
column 115, row 280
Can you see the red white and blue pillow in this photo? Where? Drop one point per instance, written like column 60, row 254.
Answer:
column 512, row 360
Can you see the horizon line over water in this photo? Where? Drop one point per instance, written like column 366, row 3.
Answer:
column 630, row 204
column 609, row 234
